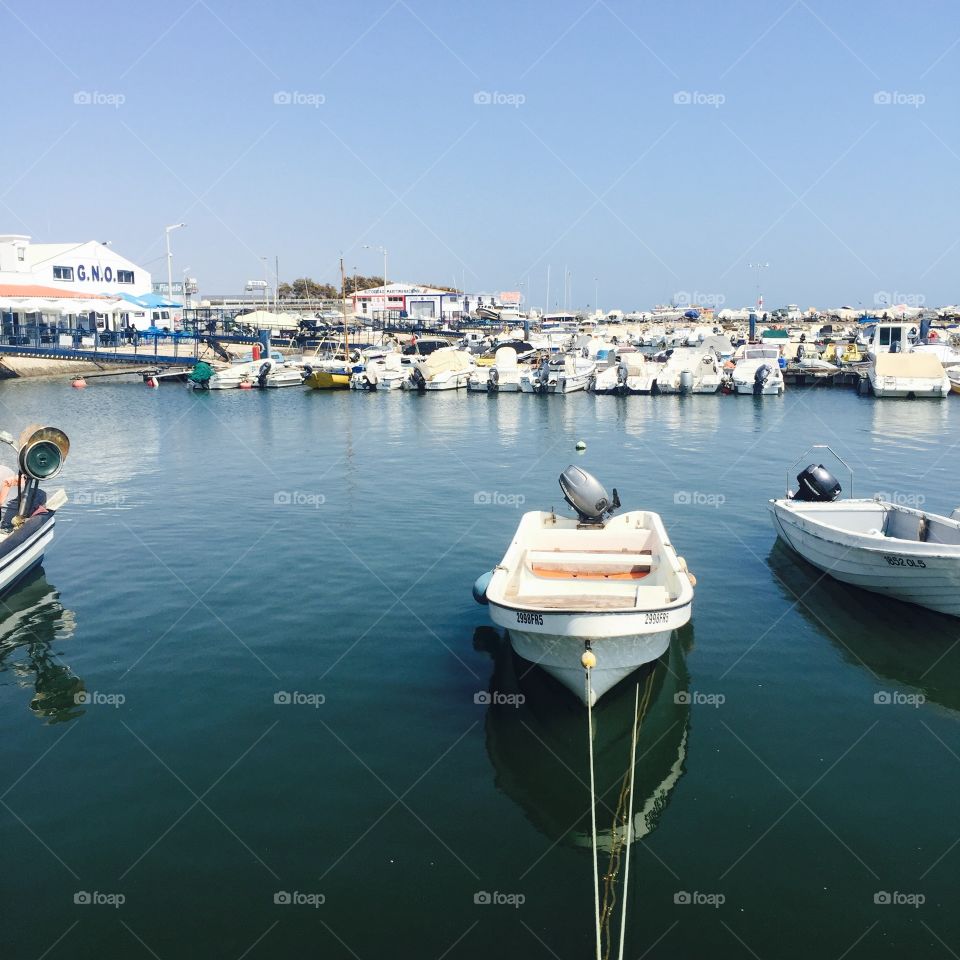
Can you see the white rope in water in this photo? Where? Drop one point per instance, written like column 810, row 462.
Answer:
column 626, row 867
column 593, row 815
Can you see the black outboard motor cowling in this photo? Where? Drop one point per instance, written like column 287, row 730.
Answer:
column 816, row 484
column 760, row 378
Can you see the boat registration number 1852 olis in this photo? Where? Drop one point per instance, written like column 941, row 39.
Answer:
column 536, row 618
column 904, row 562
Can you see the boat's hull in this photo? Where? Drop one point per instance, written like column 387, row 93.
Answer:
column 708, row 387
column 747, row 389
column 23, row 549
column 915, row 575
column 327, row 380
column 287, row 380
column 908, row 388
column 502, row 386
column 622, row 641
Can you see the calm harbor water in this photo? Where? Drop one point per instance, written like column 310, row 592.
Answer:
column 223, row 552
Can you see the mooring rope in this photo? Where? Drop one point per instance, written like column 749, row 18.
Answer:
column 633, row 767
column 621, row 832
column 589, row 661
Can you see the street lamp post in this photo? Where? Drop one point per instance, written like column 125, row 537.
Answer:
column 167, row 230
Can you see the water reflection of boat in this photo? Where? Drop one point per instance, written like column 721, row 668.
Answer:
column 536, row 740
column 31, row 622
column 871, row 634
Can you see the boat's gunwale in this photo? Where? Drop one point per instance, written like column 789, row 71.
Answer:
column 862, row 541
column 496, row 590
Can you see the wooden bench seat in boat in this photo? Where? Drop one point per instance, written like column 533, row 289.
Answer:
column 642, row 598
column 590, row 564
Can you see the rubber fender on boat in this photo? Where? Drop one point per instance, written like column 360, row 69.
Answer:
column 480, row 587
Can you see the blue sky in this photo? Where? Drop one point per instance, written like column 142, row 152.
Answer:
column 658, row 148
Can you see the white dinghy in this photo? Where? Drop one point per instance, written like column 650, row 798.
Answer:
column 612, row 587
column 880, row 546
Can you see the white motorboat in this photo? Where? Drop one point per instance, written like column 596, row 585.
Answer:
column 275, row 373
column 566, row 374
column 633, row 374
column 690, row 370
column 880, row 546
column 502, row 376
column 592, row 591
column 911, row 375
column 384, row 372
column 28, row 516
column 228, row 378
column 757, row 371
column 446, row 368
column 948, row 356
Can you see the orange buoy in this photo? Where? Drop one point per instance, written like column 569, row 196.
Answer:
column 246, row 385
column 79, row 383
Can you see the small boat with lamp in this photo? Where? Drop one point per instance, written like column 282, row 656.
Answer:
column 594, row 591
column 28, row 516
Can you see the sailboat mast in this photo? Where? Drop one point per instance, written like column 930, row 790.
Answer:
column 343, row 303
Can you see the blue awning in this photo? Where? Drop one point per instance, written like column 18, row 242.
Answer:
column 148, row 301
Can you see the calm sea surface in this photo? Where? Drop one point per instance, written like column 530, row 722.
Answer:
column 223, row 552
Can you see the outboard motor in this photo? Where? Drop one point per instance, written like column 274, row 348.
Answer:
column 493, row 380
column 801, row 351
column 263, row 374
column 686, row 382
column 542, row 380
column 816, row 484
column 586, row 495
column 623, row 373
column 760, row 378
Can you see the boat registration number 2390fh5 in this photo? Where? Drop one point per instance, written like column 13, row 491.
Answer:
column 611, row 585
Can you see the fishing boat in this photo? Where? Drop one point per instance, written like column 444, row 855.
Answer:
column 882, row 547
column 383, row 372
column 502, row 376
column 633, row 374
column 446, row 368
column 690, row 370
column 757, row 371
column 594, row 589
column 274, row 373
column 568, row 373
column 953, row 375
column 28, row 516
column 910, row 375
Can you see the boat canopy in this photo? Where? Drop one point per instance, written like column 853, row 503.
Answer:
column 445, row 359
column 912, row 365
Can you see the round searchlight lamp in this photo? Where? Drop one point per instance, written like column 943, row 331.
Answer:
column 43, row 451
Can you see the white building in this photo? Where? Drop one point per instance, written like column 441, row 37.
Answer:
column 408, row 301
column 89, row 268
